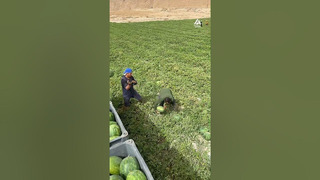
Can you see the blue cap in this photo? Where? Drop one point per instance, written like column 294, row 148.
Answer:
column 128, row 70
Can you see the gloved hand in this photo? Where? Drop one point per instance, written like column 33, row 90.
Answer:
column 165, row 106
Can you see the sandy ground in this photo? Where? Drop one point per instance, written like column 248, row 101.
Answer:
column 123, row 11
column 158, row 14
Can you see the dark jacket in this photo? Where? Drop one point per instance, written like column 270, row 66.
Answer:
column 163, row 94
column 127, row 93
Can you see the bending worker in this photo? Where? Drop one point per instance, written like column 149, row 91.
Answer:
column 165, row 97
column 127, row 82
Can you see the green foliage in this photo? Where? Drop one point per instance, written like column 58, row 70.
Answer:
column 111, row 73
column 111, row 116
column 167, row 54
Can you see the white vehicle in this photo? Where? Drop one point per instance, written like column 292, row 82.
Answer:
column 197, row 23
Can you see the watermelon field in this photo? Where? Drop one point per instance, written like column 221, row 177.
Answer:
column 166, row 54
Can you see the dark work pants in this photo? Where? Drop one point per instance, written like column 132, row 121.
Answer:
column 136, row 95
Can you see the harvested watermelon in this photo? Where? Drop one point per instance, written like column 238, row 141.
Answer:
column 111, row 116
column 136, row 175
column 160, row 109
column 112, row 122
column 115, row 177
column 127, row 165
column 113, row 137
column 115, row 162
column 114, row 130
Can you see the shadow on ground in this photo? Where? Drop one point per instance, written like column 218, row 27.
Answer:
column 163, row 161
column 118, row 102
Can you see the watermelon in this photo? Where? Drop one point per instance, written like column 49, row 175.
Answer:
column 115, row 177
column 111, row 116
column 112, row 122
column 115, row 162
column 127, row 165
column 114, row 130
column 207, row 135
column 113, row 137
column 176, row 117
column 136, row 175
column 160, row 109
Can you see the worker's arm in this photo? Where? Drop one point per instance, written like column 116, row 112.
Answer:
column 128, row 87
column 134, row 82
column 125, row 84
column 129, row 84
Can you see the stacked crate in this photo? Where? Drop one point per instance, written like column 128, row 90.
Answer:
column 123, row 146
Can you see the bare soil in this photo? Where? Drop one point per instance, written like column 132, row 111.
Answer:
column 124, row 11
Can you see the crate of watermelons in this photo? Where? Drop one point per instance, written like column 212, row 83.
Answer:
column 126, row 163
column 117, row 132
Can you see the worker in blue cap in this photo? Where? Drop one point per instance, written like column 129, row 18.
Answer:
column 127, row 83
